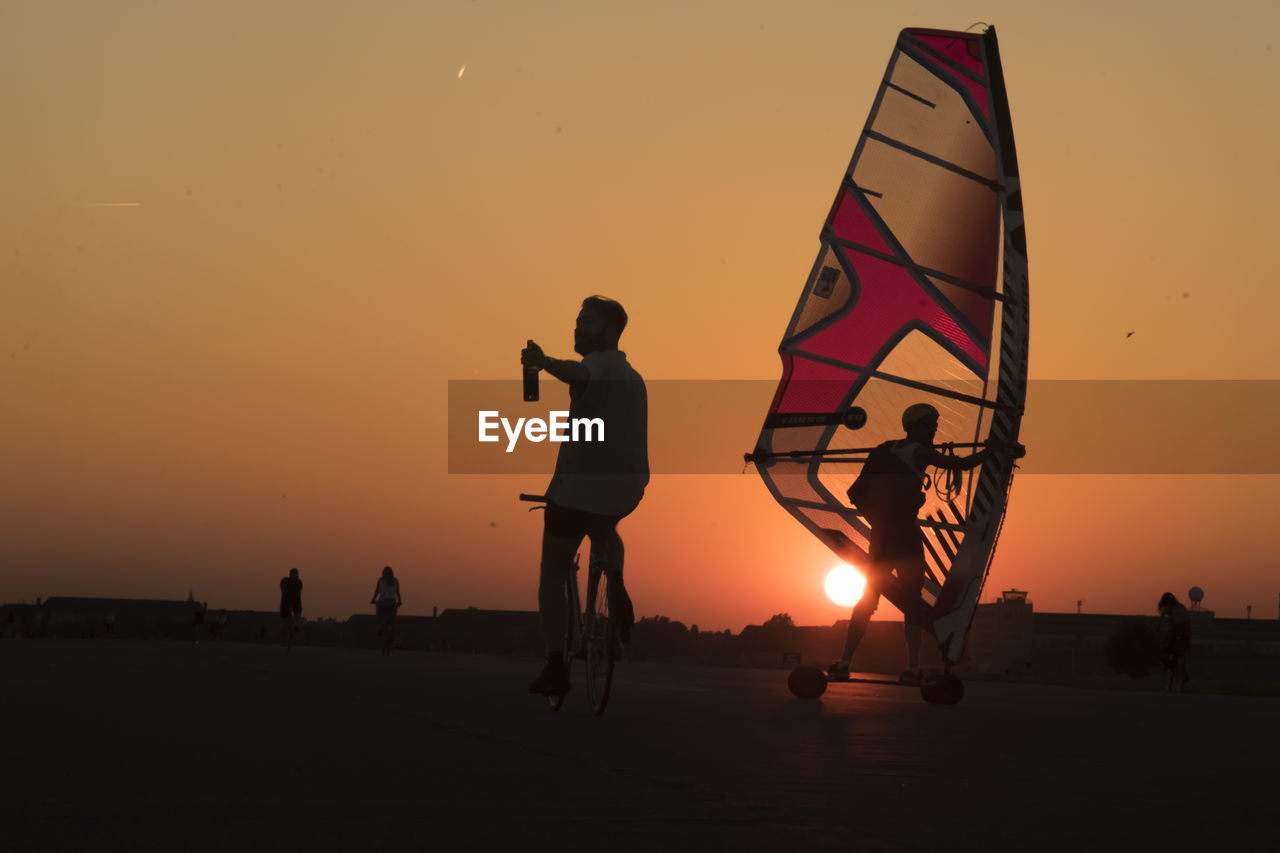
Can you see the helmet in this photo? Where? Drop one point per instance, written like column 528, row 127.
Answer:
column 918, row 412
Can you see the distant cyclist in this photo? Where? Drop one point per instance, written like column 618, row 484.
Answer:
column 1174, row 630
column 387, row 597
column 290, row 605
column 596, row 483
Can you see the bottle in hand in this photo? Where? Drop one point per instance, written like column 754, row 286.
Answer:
column 530, row 382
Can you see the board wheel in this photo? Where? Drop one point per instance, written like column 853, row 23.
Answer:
column 807, row 682
column 944, row 689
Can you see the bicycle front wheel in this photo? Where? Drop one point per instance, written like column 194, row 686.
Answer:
column 388, row 636
column 600, row 644
column 556, row 700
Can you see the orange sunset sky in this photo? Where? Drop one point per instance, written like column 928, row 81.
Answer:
column 244, row 246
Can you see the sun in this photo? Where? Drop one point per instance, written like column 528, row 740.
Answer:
column 844, row 585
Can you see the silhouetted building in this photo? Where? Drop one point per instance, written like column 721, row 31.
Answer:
column 21, row 620
column 253, row 626
column 498, row 632
column 1001, row 639
column 412, row 632
column 121, row 617
column 1007, row 637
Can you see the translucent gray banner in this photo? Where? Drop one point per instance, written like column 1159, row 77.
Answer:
column 1070, row 427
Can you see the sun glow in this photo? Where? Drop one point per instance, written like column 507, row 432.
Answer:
column 844, row 585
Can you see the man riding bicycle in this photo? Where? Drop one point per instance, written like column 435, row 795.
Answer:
column 597, row 483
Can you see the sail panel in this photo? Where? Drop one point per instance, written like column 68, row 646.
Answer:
column 814, row 387
column 929, row 113
column 961, row 48
column 891, row 302
column 828, row 292
column 852, row 224
column 960, row 62
column 941, row 219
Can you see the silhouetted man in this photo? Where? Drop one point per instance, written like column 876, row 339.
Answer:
column 596, row 483
column 290, row 604
column 889, row 493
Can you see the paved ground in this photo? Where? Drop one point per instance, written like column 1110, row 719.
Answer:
column 117, row 744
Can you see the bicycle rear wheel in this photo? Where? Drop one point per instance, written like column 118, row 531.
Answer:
column 600, row 643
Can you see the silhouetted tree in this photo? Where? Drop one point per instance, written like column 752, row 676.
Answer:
column 780, row 620
column 660, row 638
column 1132, row 648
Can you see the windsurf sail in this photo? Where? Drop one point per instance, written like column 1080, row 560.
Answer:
column 918, row 295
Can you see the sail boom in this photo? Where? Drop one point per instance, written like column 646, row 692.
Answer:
column 833, row 455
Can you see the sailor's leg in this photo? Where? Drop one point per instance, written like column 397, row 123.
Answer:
column 860, row 617
column 911, row 582
column 913, row 633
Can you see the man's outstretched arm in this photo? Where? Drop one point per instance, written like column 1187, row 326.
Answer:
column 565, row 369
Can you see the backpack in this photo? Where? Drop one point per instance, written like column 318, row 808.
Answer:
column 887, row 486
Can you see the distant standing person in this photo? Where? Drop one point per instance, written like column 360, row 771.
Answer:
column 386, row 595
column 290, row 605
column 1174, row 630
column 596, row 483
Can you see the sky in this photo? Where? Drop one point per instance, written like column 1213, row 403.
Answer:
column 245, row 247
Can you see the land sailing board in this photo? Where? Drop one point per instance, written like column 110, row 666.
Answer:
column 936, row 688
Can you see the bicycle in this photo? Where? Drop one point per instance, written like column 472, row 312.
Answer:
column 289, row 627
column 590, row 632
column 1175, row 665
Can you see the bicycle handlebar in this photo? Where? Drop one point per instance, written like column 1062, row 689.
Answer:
column 541, row 499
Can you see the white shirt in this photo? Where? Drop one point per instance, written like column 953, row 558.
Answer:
column 388, row 589
column 606, row 477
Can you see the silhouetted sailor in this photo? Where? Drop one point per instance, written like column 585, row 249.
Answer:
column 889, row 493
column 596, row 483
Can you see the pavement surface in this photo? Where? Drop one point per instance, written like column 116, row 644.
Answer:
column 114, row 744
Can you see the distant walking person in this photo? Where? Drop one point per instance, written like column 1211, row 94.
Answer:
column 889, row 493
column 1174, row 630
column 596, row 483
column 290, row 605
column 387, row 598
